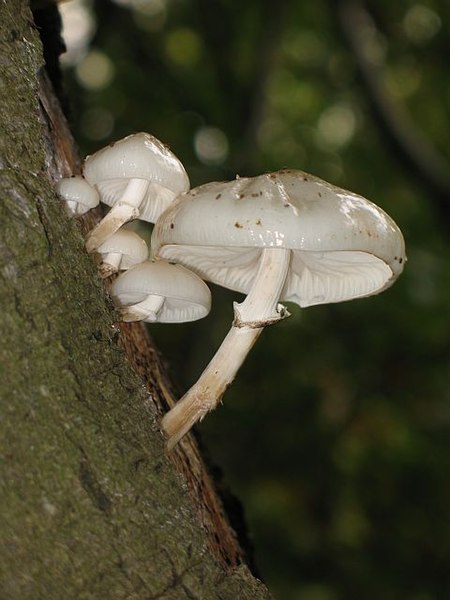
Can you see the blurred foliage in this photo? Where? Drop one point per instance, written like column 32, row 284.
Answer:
column 336, row 433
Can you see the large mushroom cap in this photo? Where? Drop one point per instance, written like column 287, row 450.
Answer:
column 187, row 297
column 343, row 245
column 137, row 156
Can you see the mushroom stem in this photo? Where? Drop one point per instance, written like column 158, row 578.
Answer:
column 207, row 392
column 126, row 209
column 146, row 310
column 73, row 207
column 259, row 309
column 110, row 264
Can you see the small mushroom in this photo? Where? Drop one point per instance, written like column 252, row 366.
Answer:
column 281, row 236
column 121, row 251
column 160, row 292
column 138, row 177
column 78, row 194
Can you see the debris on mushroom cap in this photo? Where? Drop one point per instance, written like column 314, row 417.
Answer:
column 137, row 156
column 344, row 246
column 78, row 194
column 284, row 235
column 120, row 251
column 186, row 296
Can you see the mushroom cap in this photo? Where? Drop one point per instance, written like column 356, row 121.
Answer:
column 343, row 245
column 77, row 191
column 133, row 248
column 137, row 156
column 187, row 297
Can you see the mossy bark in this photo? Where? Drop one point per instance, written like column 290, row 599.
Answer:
column 92, row 506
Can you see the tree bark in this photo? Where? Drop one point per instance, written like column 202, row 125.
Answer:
column 92, row 505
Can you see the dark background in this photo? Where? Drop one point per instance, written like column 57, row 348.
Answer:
column 335, row 435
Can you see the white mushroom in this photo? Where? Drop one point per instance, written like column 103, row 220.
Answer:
column 160, row 292
column 138, row 176
column 121, row 251
column 281, row 236
column 78, row 194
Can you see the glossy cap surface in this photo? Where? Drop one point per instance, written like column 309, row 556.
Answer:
column 187, row 297
column 344, row 246
column 137, row 156
column 127, row 243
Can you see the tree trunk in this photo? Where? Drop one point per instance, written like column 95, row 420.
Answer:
column 92, row 505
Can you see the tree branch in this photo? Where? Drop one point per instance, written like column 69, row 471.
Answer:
column 408, row 144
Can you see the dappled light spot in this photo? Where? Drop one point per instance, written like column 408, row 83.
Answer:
column 96, row 71
column 211, row 145
column 183, row 47
column 78, row 29
column 336, row 126
column 97, row 123
column 421, row 23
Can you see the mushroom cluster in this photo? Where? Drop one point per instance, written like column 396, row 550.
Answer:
column 279, row 237
column 138, row 177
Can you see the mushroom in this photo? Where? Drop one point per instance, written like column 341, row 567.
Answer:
column 282, row 236
column 78, row 194
column 121, row 251
column 160, row 292
column 138, row 177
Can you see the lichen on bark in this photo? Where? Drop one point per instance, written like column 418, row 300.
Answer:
column 92, row 506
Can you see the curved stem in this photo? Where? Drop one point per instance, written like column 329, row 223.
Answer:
column 260, row 308
column 207, row 392
column 126, row 209
column 147, row 310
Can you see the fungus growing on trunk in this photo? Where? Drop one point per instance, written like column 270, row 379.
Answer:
column 160, row 292
column 122, row 250
column 284, row 236
column 78, row 194
column 138, row 177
